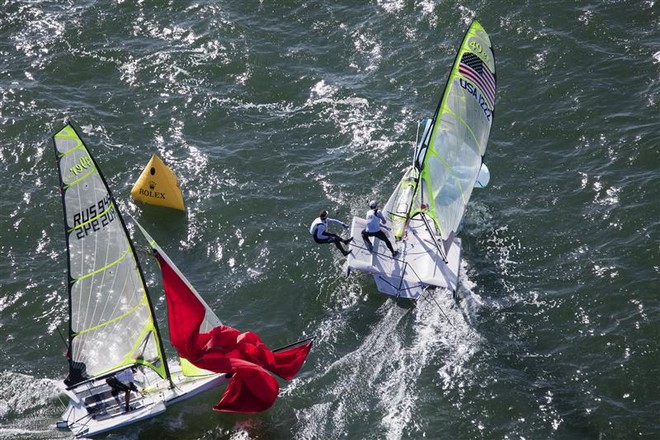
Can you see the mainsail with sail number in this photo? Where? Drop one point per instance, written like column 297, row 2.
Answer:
column 426, row 209
column 112, row 329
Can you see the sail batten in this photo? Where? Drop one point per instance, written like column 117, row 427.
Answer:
column 104, row 268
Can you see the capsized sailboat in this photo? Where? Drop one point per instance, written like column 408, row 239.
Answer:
column 425, row 211
column 112, row 329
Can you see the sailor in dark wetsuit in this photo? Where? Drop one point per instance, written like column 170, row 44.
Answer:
column 319, row 230
column 122, row 382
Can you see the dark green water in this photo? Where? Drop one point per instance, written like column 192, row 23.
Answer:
column 269, row 111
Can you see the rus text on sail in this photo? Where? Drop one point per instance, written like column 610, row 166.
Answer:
column 94, row 218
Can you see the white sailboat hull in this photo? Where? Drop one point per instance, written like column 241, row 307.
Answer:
column 93, row 411
column 419, row 265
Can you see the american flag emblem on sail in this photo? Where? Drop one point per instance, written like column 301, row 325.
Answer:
column 478, row 73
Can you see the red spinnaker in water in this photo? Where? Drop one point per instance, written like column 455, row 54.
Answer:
column 226, row 350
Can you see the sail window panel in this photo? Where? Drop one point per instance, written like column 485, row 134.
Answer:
column 114, row 292
column 438, row 174
column 454, row 152
column 449, row 199
column 436, row 179
column 453, row 172
column 108, row 346
column 453, row 137
column 456, row 192
column 469, row 118
column 451, row 207
column 93, row 250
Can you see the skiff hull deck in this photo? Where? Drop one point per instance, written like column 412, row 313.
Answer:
column 92, row 409
column 419, row 265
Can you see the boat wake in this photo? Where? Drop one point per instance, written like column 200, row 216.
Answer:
column 378, row 381
column 27, row 408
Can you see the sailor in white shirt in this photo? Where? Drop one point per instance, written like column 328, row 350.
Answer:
column 376, row 220
column 123, row 382
column 319, row 231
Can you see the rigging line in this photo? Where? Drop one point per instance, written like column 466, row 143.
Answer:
column 293, row 344
column 398, row 290
column 416, row 143
column 440, row 308
column 63, row 405
column 407, row 266
column 435, row 240
column 62, row 336
column 396, row 214
column 386, row 281
column 79, row 421
column 442, row 311
column 382, row 254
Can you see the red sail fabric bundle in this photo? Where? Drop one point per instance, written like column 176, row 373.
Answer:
column 226, row 350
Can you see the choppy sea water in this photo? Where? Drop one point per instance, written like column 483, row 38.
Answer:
column 269, row 111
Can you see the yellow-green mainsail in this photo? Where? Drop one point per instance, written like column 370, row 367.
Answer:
column 451, row 155
column 111, row 317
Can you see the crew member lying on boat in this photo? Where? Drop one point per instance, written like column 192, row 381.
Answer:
column 123, row 381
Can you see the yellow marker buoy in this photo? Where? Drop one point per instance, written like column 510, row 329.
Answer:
column 158, row 185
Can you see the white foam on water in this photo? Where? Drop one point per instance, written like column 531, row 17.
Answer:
column 381, row 375
column 467, row 15
column 440, row 333
column 370, row 50
column 29, row 401
column 391, row 6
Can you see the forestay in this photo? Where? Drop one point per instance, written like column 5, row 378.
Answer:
column 210, row 319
